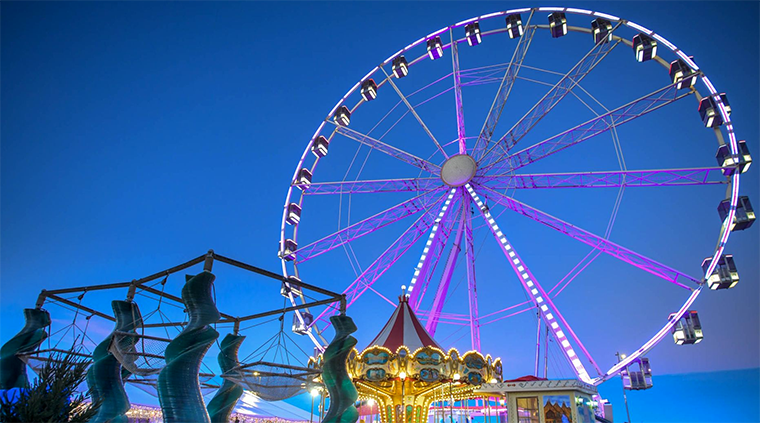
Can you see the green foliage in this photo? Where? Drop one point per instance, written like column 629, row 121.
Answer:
column 52, row 397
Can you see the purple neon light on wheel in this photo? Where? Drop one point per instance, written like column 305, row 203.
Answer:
column 408, row 174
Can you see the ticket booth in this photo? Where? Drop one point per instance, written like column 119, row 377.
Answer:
column 533, row 400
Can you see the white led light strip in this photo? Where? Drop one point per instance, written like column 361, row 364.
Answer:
column 537, row 293
column 433, row 231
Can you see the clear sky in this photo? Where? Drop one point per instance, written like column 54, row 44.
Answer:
column 136, row 136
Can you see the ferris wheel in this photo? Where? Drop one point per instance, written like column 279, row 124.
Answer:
column 402, row 151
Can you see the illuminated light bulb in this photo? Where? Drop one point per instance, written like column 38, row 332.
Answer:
column 402, row 375
column 370, row 402
column 457, row 376
column 315, row 392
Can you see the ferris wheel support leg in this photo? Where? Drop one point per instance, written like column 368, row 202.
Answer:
column 443, row 286
column 549, row 312
column 458, row 92
column 431, row 250
column 472, row 292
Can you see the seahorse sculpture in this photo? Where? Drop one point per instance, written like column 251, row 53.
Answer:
column 179, row 390
column 220, row 407
column 343, row 393
column 105, row 376
column 12, row 368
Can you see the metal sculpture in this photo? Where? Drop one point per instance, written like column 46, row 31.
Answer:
column 105, row 376
column 12, row 368
column 179, row 390
column 343, row 393
column 221, row 405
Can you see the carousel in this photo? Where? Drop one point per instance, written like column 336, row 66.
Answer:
column 404, row 371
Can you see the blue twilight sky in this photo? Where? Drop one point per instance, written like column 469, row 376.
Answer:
column 136, row 136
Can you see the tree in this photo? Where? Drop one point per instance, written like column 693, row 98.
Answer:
column 52, row 397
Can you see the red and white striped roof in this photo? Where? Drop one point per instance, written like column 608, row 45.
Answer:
column 403, row 328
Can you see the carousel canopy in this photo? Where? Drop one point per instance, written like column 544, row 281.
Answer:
column 403, row 328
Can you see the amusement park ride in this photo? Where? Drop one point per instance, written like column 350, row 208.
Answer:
column 461, row 189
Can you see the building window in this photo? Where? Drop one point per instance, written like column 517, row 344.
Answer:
column 527, row 410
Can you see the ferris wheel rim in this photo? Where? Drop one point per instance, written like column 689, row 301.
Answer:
column 727, row 123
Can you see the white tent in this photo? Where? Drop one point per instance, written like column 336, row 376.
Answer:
column 253, row 406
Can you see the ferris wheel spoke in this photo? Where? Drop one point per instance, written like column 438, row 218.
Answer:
column 458, row 92
column 448, row 271
column 376, row 186
column 386, row 260
column 548, row 310
column 387, row 149
column 627, row 178
column 414, row 112
column 587, row 130
column 432, row 249
column 595, row 241
column 368, row 225
column 550, row 99
column 502, row 94
column 472, row 293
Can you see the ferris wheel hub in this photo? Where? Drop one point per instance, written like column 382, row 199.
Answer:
column 458, row 170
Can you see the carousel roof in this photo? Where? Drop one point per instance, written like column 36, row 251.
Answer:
column 403, row 328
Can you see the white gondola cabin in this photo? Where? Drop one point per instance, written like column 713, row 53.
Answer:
column 644, row 47
column 682, row 74
column 709, row 113
column 304, row 179
column 291, row 288
column 288, row 250
column 744, row 217
column 294, row 214
column 302, row 327
column 732, row 163
column 514, row 26
column 725, row 274
column 601, row 29
column 400, row 66
column 558, row 24
column 435, row 48
column 688, row 330
column 319, row 146
column 369, row 90
column 472, row 33
column 637, row 379
column 343, row 116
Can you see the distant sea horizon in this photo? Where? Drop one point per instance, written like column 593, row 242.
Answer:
column 726, row 396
